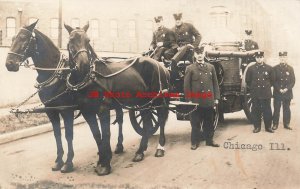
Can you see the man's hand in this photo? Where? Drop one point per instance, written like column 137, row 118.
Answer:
column 178, row 48
column 284, row 90
column 151, row 48
column 216, row 101
column 189, row 45
column 160, row 44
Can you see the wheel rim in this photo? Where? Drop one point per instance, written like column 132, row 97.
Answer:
column 137, row 121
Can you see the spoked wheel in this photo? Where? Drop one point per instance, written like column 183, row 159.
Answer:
column 137, row 121
column 216, row 117
column 247, row 100
column 247, row 104
column 77, row 114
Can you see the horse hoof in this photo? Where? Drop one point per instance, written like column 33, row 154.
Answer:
column 138, row 157
column 58, row 166
column 159, row 153
column 119, row 149
column 103, row 170
column 67, row 168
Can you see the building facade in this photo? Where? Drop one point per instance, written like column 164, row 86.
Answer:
column 127, row 26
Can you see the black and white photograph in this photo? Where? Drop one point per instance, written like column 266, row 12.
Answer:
column 160, row 94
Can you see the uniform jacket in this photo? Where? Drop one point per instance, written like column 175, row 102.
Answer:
column 284, row 78
column 201, row 80
column 250, row 45
column 260, row 80
column 166, row 36
column 186, row 33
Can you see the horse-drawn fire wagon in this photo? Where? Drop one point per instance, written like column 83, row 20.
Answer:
column 230, row 62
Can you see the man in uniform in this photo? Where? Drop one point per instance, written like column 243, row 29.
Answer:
column 163, row 41
column 259, row 78
column 201, row 87
column 187, row 36
column 248, row 45
column 283, row 91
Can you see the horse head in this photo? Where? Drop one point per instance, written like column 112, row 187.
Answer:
column 80, row 51
column 23, row 47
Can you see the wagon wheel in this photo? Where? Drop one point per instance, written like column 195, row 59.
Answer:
column 247, row 100
column 247, row 104
column 137, row 122
column 216, row 117
column 77, row 113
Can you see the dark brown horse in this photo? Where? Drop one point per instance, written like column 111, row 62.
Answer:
column 133, row 76
column 52, row 69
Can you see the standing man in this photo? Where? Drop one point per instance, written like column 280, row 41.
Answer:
column 283, row 91
column 187, row 36
column 260, row 77
column 163, row 41
column 201, row 87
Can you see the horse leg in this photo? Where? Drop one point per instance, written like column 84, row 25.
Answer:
column 105, row 151
column 119, row 117
column 91, row 119
column 146, row 116
column 162, row 118
column 68, row 117
column 55, row 121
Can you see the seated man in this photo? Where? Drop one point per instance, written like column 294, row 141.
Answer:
column 187, row 36
column 163, row 41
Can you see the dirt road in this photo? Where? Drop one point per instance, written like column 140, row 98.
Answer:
column 27, row 163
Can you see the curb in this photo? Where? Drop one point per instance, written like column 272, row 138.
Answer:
column 28, row 132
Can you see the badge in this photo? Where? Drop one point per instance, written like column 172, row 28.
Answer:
column 252, row 46
column 287, row 73
column 186, row 33
column 266, row 73
column 163, row 35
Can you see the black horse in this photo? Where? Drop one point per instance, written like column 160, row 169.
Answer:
column 52, row 69
column 133, row 76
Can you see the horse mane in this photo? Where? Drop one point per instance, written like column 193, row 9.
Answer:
column 44, row 45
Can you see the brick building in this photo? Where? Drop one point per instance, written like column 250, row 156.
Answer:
column 127, row 26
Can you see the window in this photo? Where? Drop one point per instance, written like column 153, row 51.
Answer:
column 54, row 28
column 75, row 22
column 131, row 27
column 10, row 27
column 114, row 28
column 94, row 29
column 32, row 20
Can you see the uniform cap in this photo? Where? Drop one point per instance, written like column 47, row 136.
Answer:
column 177, row 16
column 158, row 19
column 248, row 32
column 283, row 53
column 199, row 50
column 259, row 53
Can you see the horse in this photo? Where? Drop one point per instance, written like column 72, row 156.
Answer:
column 52, row 69
column 139, row 75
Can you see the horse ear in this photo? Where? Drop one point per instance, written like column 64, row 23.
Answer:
column 32, row 26
column 86, row 27
column 68, row 28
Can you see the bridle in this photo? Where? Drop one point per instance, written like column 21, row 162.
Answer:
column 24, row 57
column 72, row 56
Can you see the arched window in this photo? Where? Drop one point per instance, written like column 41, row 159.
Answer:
column 54, row 28
column 132, row 27
column 94, row 30
column 114, row 28
column 10, row 27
